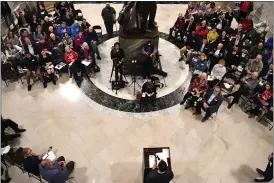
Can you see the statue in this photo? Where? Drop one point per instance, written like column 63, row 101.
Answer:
column 134, row 14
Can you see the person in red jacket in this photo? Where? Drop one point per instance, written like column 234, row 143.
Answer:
column 247, row 23
column 245, row 8
column 71, row 57
column 179, row 25
column 78, row 41
column 202, row 30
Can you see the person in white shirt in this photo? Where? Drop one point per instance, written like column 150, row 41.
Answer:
column 13, row 55
column 217, row 73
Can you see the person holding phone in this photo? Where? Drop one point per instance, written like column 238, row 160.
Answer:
column 160, row 173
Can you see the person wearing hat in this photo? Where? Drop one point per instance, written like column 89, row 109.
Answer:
column 33, row 67
column 75, row 28
column 62, row 29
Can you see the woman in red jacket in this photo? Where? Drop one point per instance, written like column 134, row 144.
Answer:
column 71, row 57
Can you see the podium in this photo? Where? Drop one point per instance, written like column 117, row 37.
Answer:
column 149, row 153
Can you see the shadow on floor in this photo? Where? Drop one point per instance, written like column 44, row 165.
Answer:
column 245, row 173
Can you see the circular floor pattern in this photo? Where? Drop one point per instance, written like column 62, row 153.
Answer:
column 99, row 88
column 170, row 54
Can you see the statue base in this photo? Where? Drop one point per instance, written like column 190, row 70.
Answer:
column 132, row 44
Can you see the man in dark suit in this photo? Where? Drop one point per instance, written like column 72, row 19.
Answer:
column 210, row 102
column 199, row 17
column 236, row 42
column 160, row 174
column 204, row 47
column 190, row 26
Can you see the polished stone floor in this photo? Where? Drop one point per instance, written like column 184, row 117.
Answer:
column 107, row 144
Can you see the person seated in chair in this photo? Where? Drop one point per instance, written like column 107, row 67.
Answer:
column 178, row 26
column 85, row 25
column 33, row 67
column 42, row 45
column 87, row 56
column 31, row 162
column 190, row 26
column 91, row 38
column 253, row 65
column 210, row 103
column 57, row 171
column 191, row 44
column 79, row 39
column 31, row 47
column 149, row 53
column 67, row 40
column 71, row 57
column 5, row 123
column 195, row 90
column 257, row 50
column 216, row 55
column 13, row 55
column 160, row 174
column 47, row 65
column 217, row 73
column 199, row 17
column 212, row 35
column 223, row 39
column 54, row 41
column 238, row 30
column 263, row 100
column 202, row 30
column 75, row 28
column 247, row 87
column 62, row 29
column 200, row 66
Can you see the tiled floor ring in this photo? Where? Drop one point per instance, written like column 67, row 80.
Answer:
column 99, row 88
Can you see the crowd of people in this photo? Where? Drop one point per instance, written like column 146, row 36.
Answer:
column 43, row 42
column 212, row 48
column 214, row 51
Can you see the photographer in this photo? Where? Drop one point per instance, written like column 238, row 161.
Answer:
column 117, row 55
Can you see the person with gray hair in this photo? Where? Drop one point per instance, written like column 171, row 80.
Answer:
column 253, row 65
column 247, row 87
column 57, row 171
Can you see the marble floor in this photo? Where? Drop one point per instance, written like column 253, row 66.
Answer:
column 107, row 144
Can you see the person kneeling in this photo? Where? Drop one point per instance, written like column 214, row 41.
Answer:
column 57, row 171
column 210, row 103
column 195, row 91
column 148, row 93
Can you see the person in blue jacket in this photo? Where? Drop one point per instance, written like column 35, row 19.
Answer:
column 75, row 28
column 267, row 57
column 200, row 67
column 62, row 29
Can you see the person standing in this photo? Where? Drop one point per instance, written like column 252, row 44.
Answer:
column 109, row 16
column 268, row 173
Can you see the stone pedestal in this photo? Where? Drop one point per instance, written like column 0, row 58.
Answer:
column 133, row 44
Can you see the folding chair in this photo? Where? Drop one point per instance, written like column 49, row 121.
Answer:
column 98, row 30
